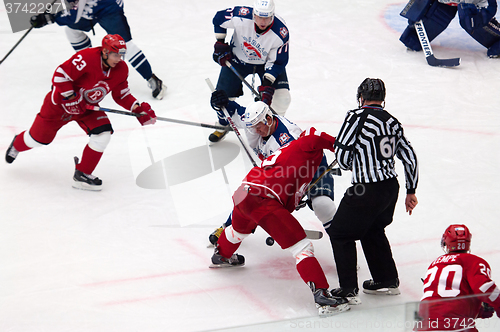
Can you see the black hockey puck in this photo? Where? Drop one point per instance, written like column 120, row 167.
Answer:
column 269, row 241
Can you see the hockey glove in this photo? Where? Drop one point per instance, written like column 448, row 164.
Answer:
column 147, row 115
column 41, row 20
column 266, row 94
column 74, row 104
column 218, row 100
column 222, row 53
column 485, row 311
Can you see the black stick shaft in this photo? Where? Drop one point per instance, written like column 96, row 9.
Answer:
column 228, row 64
column 159, row 118
column 20, row 40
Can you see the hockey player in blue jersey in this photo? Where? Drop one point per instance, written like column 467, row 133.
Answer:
column 259, row 45
column 477, row 17
column 83, row 15
column 266, row 133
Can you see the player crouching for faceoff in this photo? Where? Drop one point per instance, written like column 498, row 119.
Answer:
column 266, row 198
column 266, row 133
column 78, row 85
column 450, row 282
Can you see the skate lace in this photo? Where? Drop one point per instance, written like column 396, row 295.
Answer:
column 233, row 259
column 12, row 152
column 90, row 176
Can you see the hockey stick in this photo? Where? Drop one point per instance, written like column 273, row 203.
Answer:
column 20, row 40
column 426, row 47
column 204, row 125
column 230, row 66
column 311, row 185
column 232, row 125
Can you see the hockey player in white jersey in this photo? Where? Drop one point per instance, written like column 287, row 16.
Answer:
column 266, row 133
column 259, row 45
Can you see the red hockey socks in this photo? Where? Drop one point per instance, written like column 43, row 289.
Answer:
column 19, row 143
column 226, row 248
column 310, row 270
column 90, row 159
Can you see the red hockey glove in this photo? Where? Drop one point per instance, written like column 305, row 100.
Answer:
column 266, row 94
column 486, row 311
column 147, row 115
column 222, row 53
column 75, row 104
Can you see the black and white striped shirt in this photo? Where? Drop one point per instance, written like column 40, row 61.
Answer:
column 367, row 143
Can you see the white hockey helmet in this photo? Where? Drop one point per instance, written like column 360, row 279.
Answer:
column 263, row 8
column 255, row 113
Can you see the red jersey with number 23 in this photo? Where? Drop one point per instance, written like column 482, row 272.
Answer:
column 286, row 174
column 85, row 73
column 449, row 279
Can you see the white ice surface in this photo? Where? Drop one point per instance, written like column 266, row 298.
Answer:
column 135, row 259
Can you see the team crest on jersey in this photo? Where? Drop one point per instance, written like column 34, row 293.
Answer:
column 251, row 51
column 284, row 138
column 97, row 93
column 283, row 32
column 244, row 11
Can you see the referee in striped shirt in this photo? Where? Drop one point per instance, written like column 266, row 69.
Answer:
column 368, row 140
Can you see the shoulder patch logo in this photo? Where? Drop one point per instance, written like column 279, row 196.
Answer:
column 244, row 11
column 284, row 138
column 283, row 32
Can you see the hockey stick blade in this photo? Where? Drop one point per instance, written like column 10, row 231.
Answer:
column 310, row 234
column 433, row 61
column 426, row 47
column 313, row 235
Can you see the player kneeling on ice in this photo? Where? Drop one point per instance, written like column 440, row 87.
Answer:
column 477, row 17
column 78, row 85
column 266, row 198
column 451, row 281
column 267, row 133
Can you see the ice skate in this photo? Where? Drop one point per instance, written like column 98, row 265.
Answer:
column 351, row 294
column 219, row 261
column 389, row 287
column 218, row 135
column 159, row 89
column 214, row 237
column 11, row 153
column 86, row 181
column 327, row 304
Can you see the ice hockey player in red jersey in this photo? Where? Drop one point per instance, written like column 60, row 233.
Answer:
column 452, row 280
column 266, row 198
column 78, row 85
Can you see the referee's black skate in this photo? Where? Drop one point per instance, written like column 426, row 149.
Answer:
column 220, row 261
column 350, row 294
column 86, row 181
column 11, row 153
column 389, row 287
column 327, row 304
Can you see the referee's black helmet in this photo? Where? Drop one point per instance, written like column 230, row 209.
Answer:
column 371, row 89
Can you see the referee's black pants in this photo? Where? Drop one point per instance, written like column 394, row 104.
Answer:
column 363, row 214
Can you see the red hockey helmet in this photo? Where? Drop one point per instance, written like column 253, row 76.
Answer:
column 114, row 43
column 456, row 238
